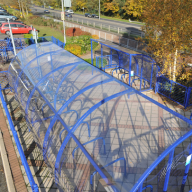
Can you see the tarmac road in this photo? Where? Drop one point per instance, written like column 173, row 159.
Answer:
column 126, row 27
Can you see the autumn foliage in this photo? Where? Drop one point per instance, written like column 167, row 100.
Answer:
column 168, row 32
column 73, row 48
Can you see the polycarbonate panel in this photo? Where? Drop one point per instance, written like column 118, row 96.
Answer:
column 65, row 98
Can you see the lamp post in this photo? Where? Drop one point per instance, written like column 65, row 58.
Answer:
column 63, row 5
column 99, row 11
column 13, row 43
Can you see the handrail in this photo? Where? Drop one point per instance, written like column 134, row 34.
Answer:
column 121, row 158
column 90, row 142
column 22, row 155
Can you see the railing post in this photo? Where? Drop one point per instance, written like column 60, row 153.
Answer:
column 168, row 171
column 141, row 77
column 151, row 75
column 186, row 171
column 94, row 24
column 187, row 97
column 101, row 55
column 91, row 52
column 101, row 26
column 140, row 187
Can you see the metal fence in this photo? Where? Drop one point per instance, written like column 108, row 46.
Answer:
column 138, row 69
column 174, row 91
column 6, row 46
column 106, row 27
column 128, row 42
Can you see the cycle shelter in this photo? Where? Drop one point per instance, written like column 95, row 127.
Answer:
column 95, row 132
column 137, row 70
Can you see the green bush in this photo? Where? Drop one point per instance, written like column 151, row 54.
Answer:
column 28, row 40
column 84, row 42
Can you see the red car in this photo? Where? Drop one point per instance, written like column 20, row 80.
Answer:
column 16, row 28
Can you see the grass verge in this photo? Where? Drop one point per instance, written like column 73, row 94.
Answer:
column 116, row 19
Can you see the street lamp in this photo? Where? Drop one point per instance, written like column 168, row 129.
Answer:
column 99, row 11
column 63, row 5
column 13, row 43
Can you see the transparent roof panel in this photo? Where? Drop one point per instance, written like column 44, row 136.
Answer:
column 120, row 129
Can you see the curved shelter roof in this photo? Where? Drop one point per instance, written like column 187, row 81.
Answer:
column 83, row 120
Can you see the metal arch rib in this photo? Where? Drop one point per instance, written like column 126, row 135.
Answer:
column 66, row 104
column 58, row 158
column 35, row 87
column 22, row 71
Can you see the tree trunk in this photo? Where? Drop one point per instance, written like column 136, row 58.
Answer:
column 23, row 12
column 174, row 66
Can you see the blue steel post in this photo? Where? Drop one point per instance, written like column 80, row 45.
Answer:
column 140, row 188
column 186, row 172
column 187, row 97
column 22, row 155
column 130, row 61
column 151, row 75
column 141, row 77
column 169, row 166
column 170, row 89
column 91, row 52
column 101, row 55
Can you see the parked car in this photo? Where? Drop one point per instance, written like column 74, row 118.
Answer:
column 70, row 11
column 4, row 20
column 51, row 8
column 16, row 28
column 68, row 15
column 86, row 14
column 9, row 16
column 89, row 15
column 2, row 10
column 94, row 16
column 4, row 13
column 46, row 11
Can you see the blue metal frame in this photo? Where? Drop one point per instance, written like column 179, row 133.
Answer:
column 81, row 120
column 33, row 185
column 120, row 66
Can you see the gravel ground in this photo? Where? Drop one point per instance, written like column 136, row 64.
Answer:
column 3, row 184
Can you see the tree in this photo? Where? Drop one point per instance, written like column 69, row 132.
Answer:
column 133, row 7
column 168, row 31
column 111, row 6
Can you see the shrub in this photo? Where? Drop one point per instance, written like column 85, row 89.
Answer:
column 73, row 31
column 86, row 33
column 95, row 36
column 73, row 48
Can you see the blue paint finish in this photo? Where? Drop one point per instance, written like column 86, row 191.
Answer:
column 169, row 166
column 148, row 186
column 90, row 142
column 22, row 155
column 159, row 159
column 186, row 171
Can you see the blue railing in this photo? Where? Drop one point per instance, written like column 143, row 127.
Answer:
column 174, row 91
column 33, row 185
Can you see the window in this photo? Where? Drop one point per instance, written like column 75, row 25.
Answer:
column 7, row 25
column 20, row 26
column 13, row 25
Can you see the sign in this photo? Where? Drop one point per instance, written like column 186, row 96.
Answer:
column 62, row 16
column 132, row 73
column 188, row 160
column 67, row 3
